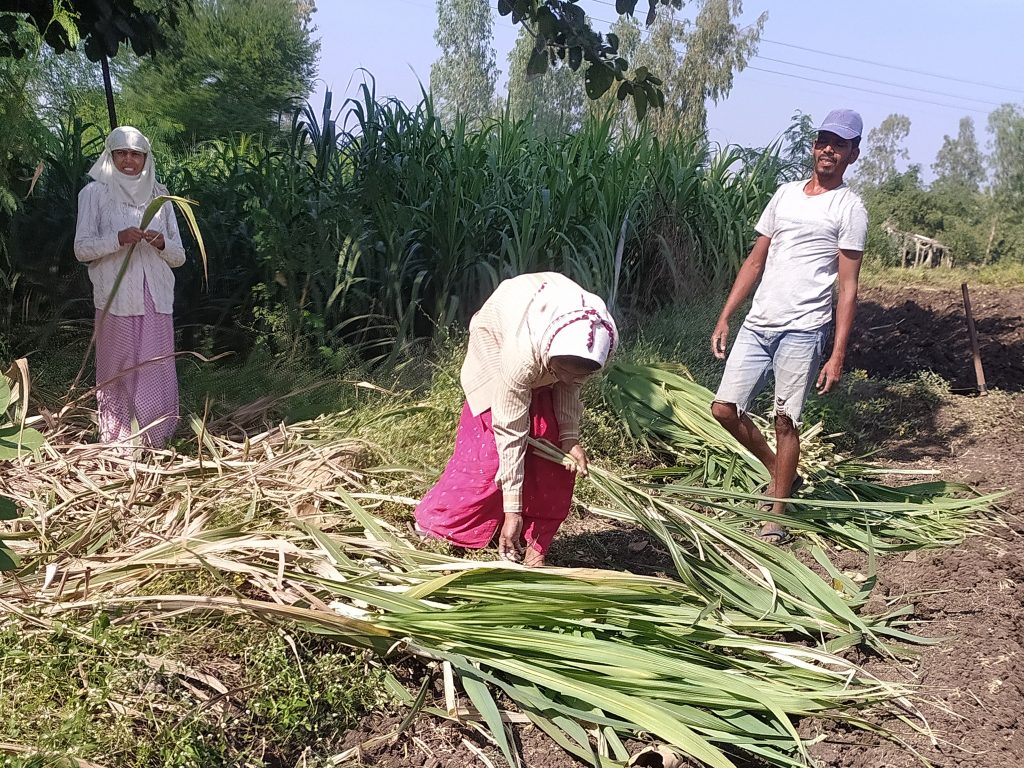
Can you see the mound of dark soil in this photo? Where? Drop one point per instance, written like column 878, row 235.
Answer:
column 903, row 330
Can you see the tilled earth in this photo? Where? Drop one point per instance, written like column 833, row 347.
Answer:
column 971, row 684
column 903, row 330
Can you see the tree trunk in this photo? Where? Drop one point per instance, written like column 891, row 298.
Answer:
column 108, row 89
column 991, row 237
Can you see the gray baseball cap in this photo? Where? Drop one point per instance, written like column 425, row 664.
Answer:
column 844, row 123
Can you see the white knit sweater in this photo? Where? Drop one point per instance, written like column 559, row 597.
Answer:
column 100, row 218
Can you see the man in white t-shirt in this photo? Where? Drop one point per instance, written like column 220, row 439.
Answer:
column 810, row 237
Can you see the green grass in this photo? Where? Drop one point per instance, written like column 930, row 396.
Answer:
column 86, row 691
column 1002, row 274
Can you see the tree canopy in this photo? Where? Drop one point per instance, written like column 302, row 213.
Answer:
column 103, row 25
column 564, row 36
column 959, row 161
column 464, row 76
column 233, row 66
column 554, row 101
column 885, row 148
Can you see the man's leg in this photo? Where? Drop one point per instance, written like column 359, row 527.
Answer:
column 787, row 456
column 746, row 372
column 744, row 430
column 796, row 366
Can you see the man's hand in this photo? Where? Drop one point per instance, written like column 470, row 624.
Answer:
column 510, row 546
column 830, row 374
column 719, row 339
column 131, row 236
column 579, row 456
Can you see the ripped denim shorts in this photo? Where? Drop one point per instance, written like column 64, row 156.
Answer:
column 794, row 357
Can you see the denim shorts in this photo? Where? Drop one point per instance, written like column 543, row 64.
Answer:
column 792, row 356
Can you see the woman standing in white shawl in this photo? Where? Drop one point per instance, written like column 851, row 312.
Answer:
column 135, row 373
column 531, row 347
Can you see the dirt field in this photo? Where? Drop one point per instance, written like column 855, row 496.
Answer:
column 972, row 684
column 972, row 596
column 908, row 329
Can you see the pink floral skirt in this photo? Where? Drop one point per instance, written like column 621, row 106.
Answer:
column 465, row 506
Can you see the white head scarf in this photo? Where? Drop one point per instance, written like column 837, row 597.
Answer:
column 136, row 190
column 564, row 319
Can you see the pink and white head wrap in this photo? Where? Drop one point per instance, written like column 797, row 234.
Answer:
column 564, row 319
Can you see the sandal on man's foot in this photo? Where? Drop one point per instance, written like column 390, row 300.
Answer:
column 772, row 533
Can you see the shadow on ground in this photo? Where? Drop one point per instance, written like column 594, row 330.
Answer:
column 903, row 331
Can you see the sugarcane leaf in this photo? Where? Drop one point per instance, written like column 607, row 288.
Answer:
column 8, row 561
column 488, row 709
column 8, row 509
column 5, row 394
column 14, row 441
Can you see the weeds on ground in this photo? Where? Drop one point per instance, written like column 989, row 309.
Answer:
column 863, row 413
column 230, row 692
column 1001, row 274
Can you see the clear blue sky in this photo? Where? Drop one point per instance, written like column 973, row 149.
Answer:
column 960, row 40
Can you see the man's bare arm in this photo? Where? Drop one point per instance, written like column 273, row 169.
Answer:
column 749, row 274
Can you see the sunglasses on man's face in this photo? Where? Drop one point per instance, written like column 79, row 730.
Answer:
column 832, row 141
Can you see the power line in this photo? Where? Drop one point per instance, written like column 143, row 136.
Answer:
column 832, row 54
column 880, row 82
column 839, row 85
column 894, row 66
column 868, row 90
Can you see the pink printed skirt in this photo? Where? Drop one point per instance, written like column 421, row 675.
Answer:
column 135, row 375
column 465, row 506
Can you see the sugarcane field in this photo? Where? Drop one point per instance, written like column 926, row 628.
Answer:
column 529, row 384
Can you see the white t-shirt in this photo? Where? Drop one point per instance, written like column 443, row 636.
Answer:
column 807, row 232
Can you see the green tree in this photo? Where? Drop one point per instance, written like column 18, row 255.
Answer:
column 698, row 58
column 1006, row 124
column 19, row 138
column 463, row 78
column 69, row 85
column 1005, row 236
column 959, row 162
column 102, row 25
column 629, row 35
column 797, row 143
column 564, row 36
column 884, row 149
column 657, row 52
column 235, row 66
column 554, row 100
column 716, row 49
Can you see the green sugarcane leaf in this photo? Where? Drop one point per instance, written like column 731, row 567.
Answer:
column 8, row 509
column 5, row 394
column 488, row 709
column 8, row 561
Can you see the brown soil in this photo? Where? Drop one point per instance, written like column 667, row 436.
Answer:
column 971, row 684
column 904, row 330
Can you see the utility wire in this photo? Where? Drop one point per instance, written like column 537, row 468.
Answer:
column 835, row 55
column 893, row 66
column 867, row 90
column 838, row 85
column 879, row 82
